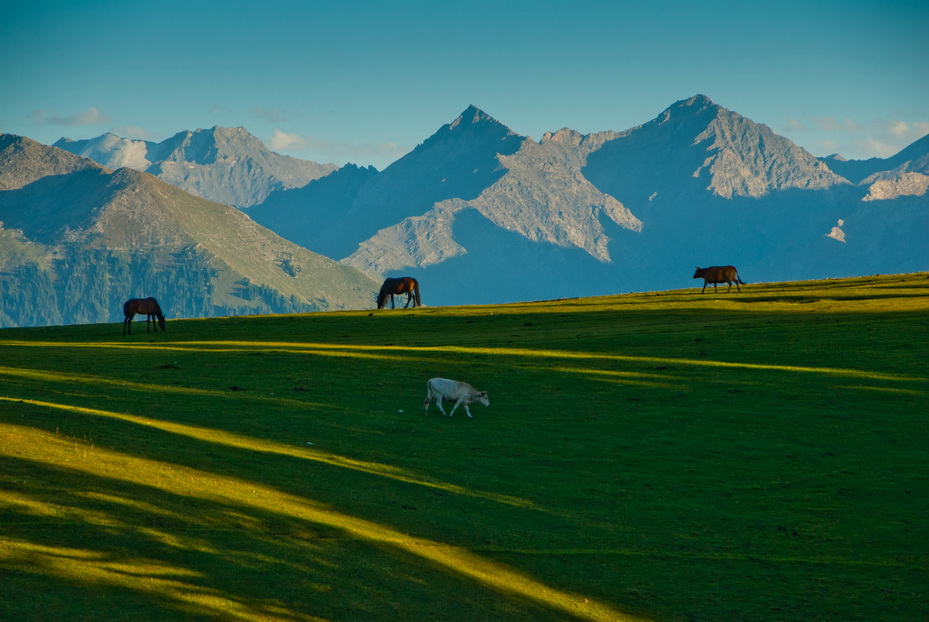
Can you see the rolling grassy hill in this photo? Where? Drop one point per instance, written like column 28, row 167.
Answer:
column 667, row 456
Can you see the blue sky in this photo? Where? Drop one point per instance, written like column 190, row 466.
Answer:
column 366, row 82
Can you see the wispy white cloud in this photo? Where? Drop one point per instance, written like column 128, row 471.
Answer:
column 132, row 131
column 218, row 110
column 879, row 138
column 794, row 125
column 273, row 115
column 49, row 116
column 831, row 124
column 282, row 141
column 322, row 149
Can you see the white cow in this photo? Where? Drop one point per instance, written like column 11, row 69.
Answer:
column 461, row 393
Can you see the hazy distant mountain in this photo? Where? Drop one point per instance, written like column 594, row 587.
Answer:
column 77, row 239
column 913, row 159
column 480, row 214
column 905, row 174
column 226, row 165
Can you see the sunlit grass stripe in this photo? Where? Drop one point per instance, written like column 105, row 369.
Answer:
column 236, row 441
column 181, row 480
column 93, row 379
column 227, row 346
column 161, row 581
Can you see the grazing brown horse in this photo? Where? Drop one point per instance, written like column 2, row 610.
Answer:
column 143, row 306
column 719, row 274
column 403, row 285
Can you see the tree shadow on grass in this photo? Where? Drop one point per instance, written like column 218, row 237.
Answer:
column 92, row 545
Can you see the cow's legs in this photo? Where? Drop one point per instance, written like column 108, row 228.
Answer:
column 438, row 402
column 456, row 406
column 468, row 412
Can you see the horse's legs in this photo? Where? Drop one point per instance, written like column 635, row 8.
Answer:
column 127, row 324
column 409, row 299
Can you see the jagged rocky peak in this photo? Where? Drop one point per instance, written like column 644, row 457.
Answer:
column 477, row 122
column 472, row 116
column 473, row 134
column 698, row 101
column 564, row 136
column 23, row 161
column 109, row 150
column 105, row 137
column 206, row 146
column 699, row 109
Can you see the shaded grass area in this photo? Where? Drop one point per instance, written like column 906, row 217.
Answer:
column 665, row 456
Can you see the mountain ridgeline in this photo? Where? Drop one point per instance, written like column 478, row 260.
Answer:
column 482, row 215
column 477, row 213
column 226, row 165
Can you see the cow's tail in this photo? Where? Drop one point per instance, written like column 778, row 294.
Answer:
column 739, row 279
column 428, row 399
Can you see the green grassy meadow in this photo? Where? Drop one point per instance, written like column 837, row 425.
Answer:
column 761, row 455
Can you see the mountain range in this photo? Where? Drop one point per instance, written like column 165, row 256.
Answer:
column 226, row 165
column 77, row 239
column 482, row 215
column 477, row 213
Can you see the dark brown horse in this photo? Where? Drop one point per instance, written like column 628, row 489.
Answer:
column 403, row 285
column 143, row 306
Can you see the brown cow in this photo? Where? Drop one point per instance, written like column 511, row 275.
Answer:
column 719, row 274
